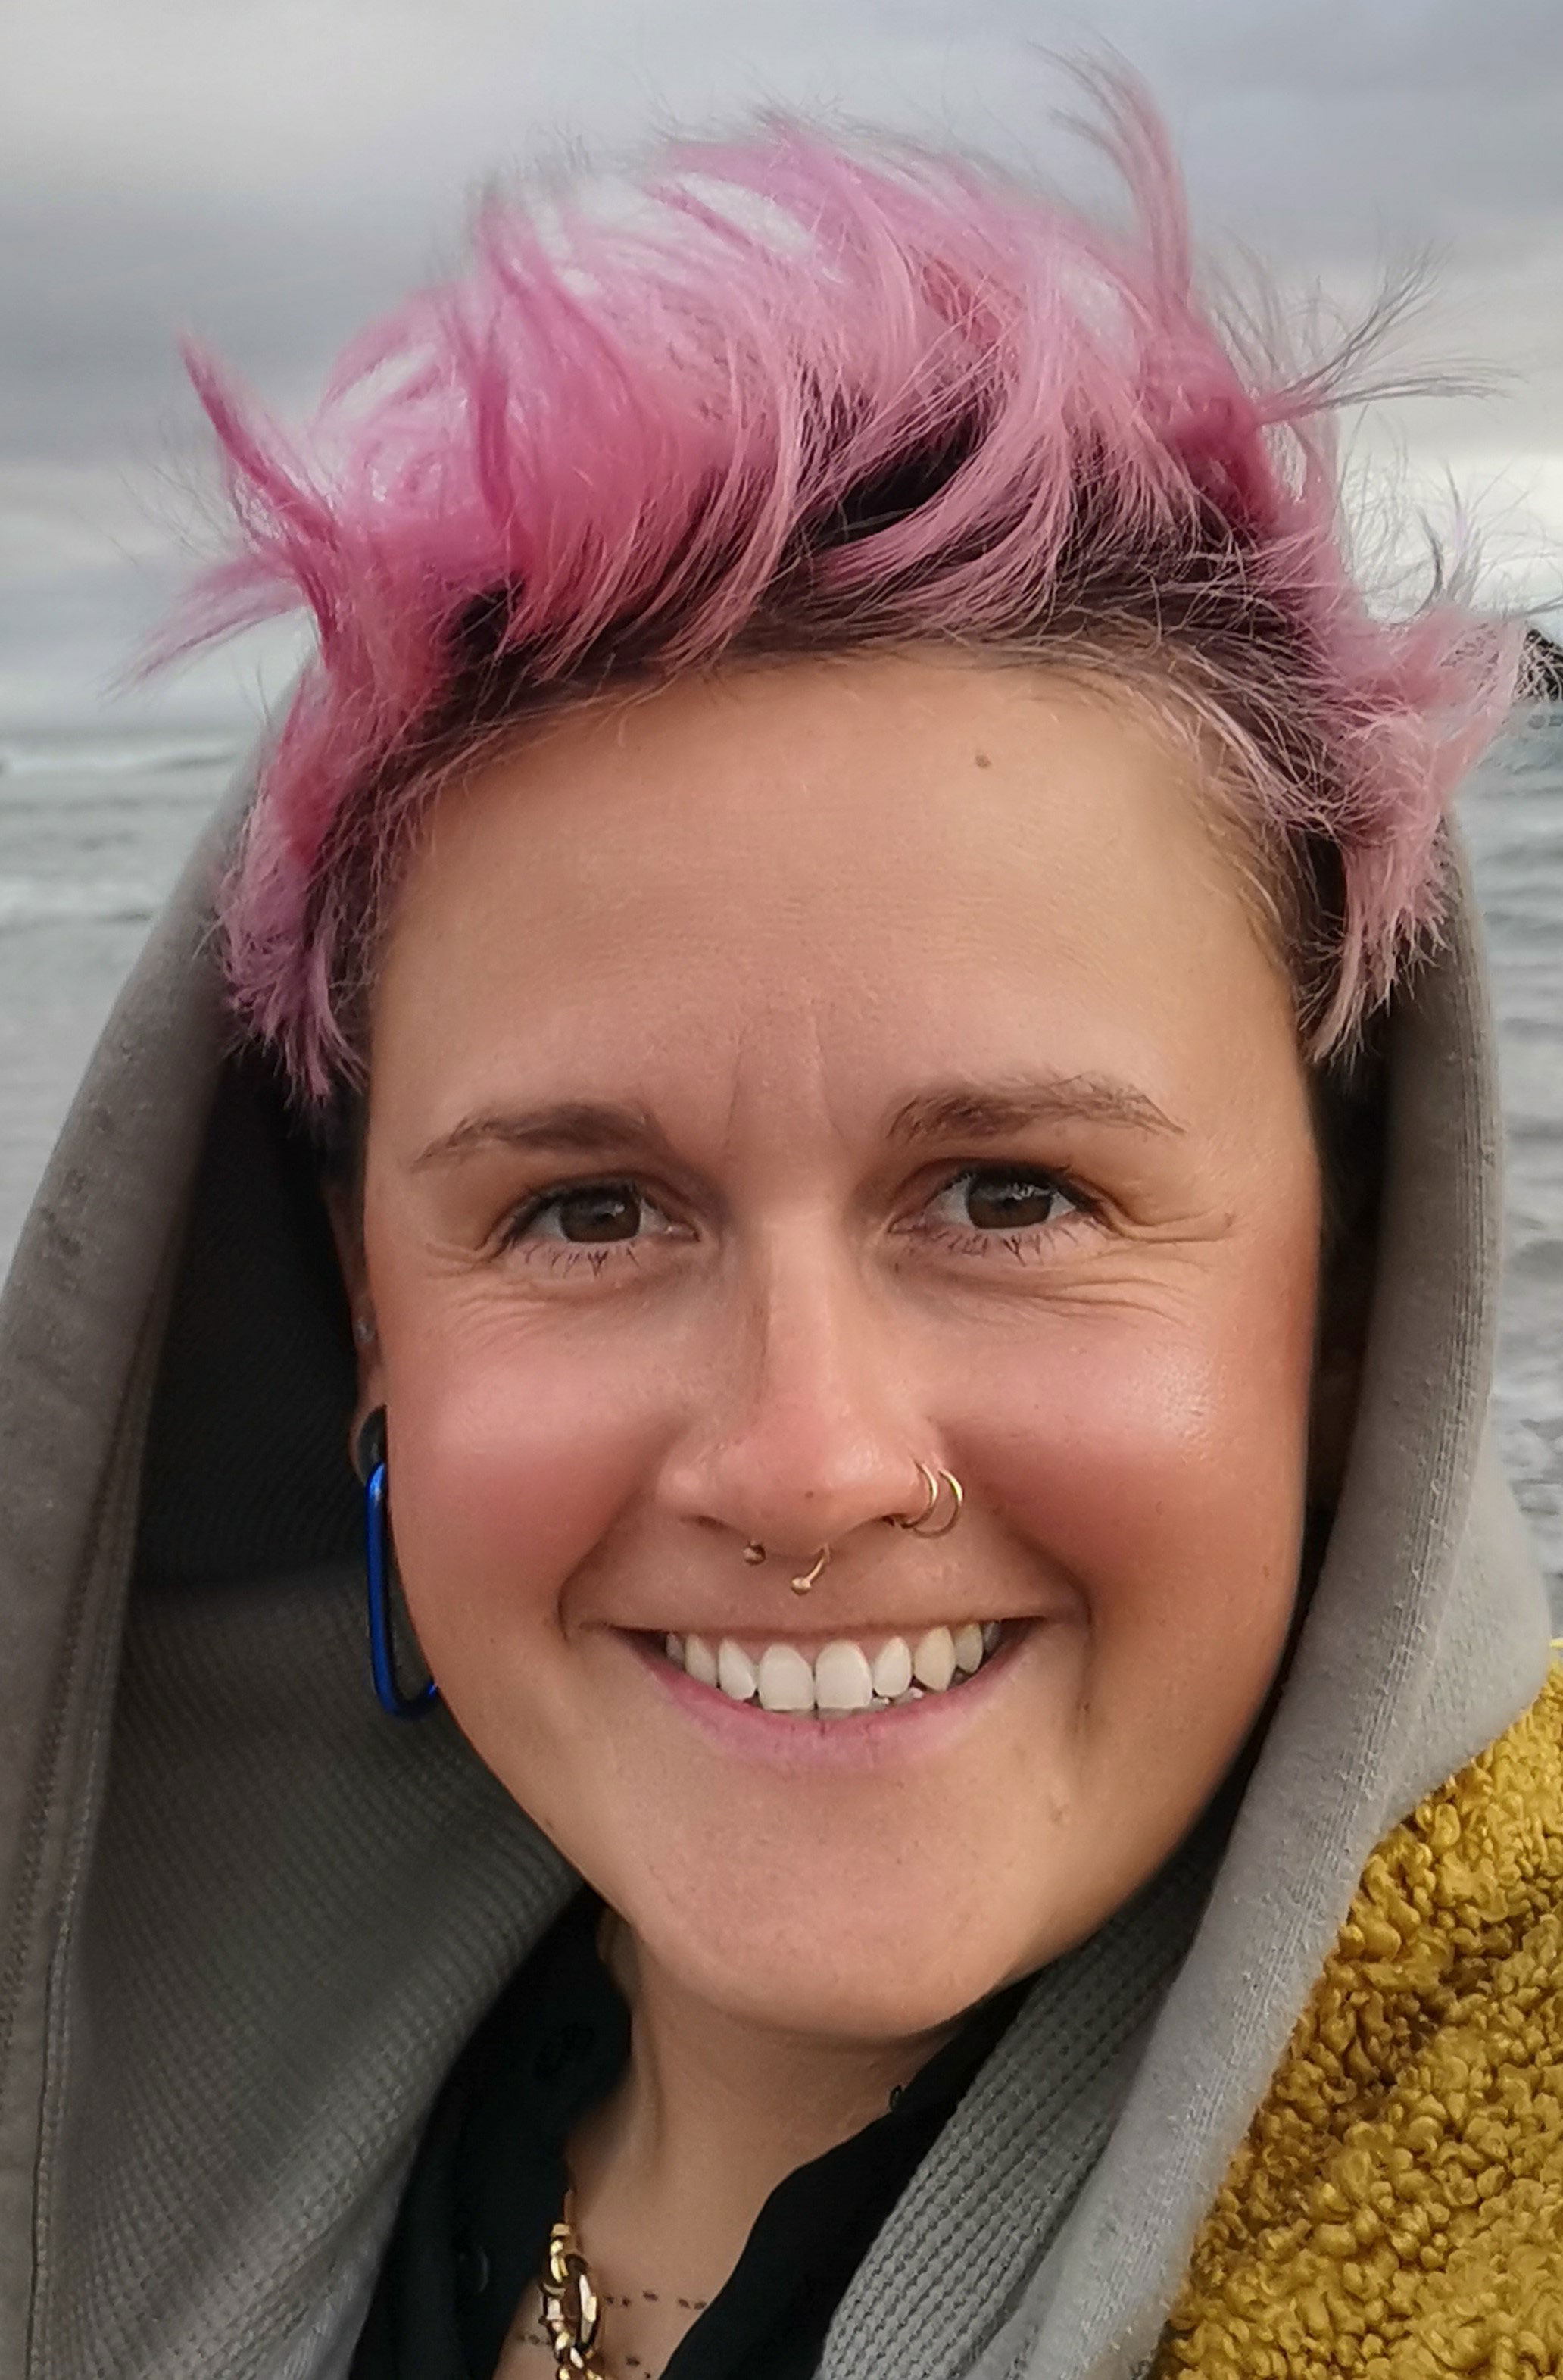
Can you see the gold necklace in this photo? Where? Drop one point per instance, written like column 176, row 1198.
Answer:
column 571, row 2312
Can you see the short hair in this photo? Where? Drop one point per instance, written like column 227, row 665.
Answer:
column 808, row 394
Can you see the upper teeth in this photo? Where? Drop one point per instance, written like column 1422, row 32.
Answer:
column 841, row 1676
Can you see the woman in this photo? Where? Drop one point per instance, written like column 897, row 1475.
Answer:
column 864, row 1094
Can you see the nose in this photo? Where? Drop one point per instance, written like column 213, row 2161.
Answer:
column 810, row 1429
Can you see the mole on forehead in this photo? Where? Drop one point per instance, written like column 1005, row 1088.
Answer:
column 948, row 1110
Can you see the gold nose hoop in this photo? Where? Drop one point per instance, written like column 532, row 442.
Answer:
column 919, row 1523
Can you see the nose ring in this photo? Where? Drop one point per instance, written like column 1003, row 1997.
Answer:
column 755, row 1552
column 918, row 1521
column 801, row 1585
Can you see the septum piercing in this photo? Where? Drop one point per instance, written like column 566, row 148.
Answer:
column 755, row 1552
column 917, row 1522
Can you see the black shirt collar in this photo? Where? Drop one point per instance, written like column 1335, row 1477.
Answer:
column 490, row 2177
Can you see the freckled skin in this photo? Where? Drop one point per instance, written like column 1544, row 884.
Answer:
column 768, row 910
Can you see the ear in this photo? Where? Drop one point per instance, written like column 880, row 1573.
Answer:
column 346, row 1229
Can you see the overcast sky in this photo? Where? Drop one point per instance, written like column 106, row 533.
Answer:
column 268, row 173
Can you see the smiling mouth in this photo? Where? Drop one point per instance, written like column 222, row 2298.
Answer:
column 843, row 1676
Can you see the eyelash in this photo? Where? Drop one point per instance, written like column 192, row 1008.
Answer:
column 562, row 1255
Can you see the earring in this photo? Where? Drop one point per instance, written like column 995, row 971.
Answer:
column 368, row 1461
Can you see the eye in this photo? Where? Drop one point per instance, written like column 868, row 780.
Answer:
column 1005, row 1199
column 585, row 1214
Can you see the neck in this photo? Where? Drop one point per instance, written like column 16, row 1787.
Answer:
column 712, row 2112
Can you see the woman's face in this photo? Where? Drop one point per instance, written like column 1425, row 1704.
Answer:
column 776, row 1084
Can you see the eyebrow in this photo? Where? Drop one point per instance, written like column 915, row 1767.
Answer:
column 970, row 1111
column 954, row 1111
column 588, row 1128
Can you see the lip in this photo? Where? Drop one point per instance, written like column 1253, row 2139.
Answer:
column 856, row 1741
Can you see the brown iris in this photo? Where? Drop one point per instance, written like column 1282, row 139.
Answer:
column 1010, row 1202
column 600, row 1211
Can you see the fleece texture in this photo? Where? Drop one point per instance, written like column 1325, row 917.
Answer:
column 1396, row 2212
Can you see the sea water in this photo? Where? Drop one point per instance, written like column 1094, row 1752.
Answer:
column 94, row 829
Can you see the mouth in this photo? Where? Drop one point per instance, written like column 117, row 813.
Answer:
column 840, row 1679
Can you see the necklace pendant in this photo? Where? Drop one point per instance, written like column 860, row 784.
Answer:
column 571, row 2311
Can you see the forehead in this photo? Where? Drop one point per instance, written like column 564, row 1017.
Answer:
column 847, row 860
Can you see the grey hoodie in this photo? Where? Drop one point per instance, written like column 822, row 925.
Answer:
column 249, row 1922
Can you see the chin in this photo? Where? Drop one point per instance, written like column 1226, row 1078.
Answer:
column 785, row 1954
column 887, row 1979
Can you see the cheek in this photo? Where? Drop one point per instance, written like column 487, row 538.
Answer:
column 1158, row 1464
column 509, row 1468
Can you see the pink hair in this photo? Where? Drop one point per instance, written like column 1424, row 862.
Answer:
column 805, row 399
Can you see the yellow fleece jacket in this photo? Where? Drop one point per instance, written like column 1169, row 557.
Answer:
column 1396, row 2211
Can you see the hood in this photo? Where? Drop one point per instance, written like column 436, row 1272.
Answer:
column 248, row 1921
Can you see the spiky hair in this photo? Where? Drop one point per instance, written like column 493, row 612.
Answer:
column 811, row 395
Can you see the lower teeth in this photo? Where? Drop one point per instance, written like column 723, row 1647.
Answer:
column 879, row 1703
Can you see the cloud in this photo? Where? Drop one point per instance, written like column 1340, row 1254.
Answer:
column 269, row 177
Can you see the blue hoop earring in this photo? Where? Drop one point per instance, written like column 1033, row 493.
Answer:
column 370, row 1466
